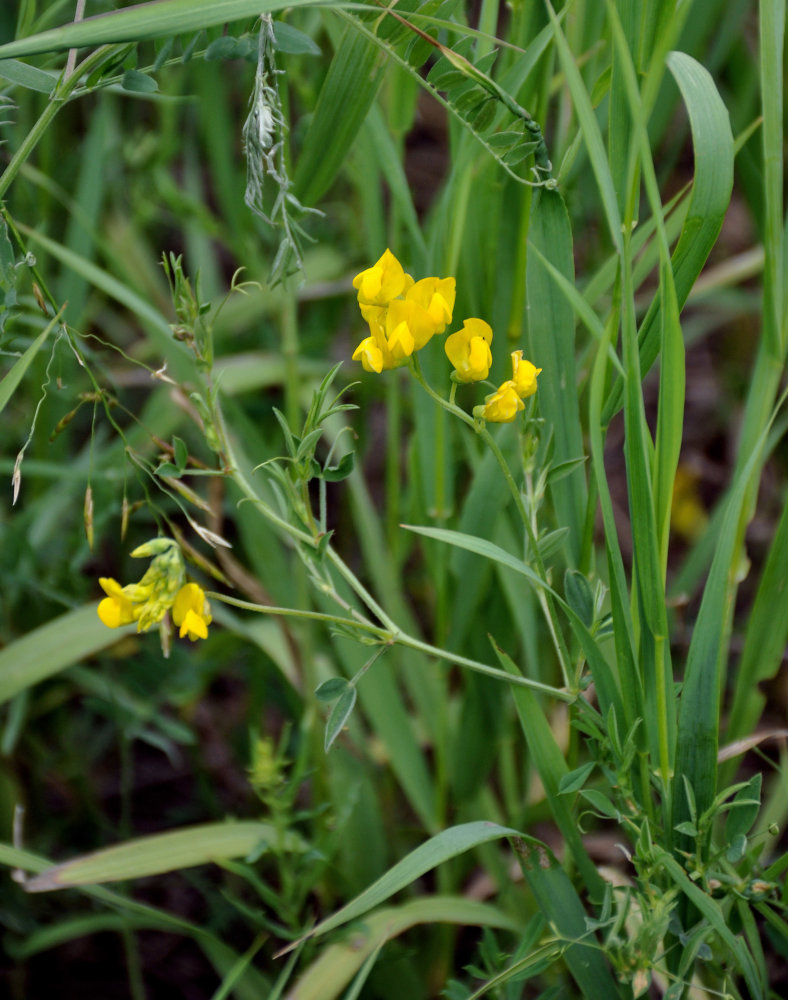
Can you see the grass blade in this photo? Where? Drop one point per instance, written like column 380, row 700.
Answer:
column 712, row 142
column 154, row 19
column 551, row 346
column 164, row 852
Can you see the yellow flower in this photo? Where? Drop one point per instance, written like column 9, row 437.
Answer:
column 469, row 351
column 192, row 612
column 503, row 405
column 436, row 297
column 382, row 282
column 370, row 355
column 161, row 588
column 117, row 607
column 523, row 375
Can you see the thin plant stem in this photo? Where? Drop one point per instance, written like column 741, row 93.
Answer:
column 545, row 601
column 396, row 637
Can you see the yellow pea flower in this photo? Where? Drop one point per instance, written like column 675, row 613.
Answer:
column 408, row 327
column 503, row 405
column 382, row 282
column 523, row 375
column 469, row 350
column 436, row 297
column 370, row 355
column 117, row 608
column 192, row 612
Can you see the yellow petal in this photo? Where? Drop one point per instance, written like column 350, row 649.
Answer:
column 503, row 405
column 523, row 375
column 370, row 355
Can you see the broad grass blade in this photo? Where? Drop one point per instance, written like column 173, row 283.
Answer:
column 165, row 852
column 562, row 907
column 155, row 19
column 699, row 708
column 16, row 372
column 712, row 142
column 551, row 347
column 328, row 975
column 346, row 96
column 51, row 648
column 551, row 765
column 435, row 851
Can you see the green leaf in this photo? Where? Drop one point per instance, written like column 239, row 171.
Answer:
column 293, row 41
column 698, row 721
column 600, row 802
column 138, row 83
column 14, row 375
column 165, row 852
column 339, row 715
column 712, row 142
column 332, row 970
column 145, row 20
column 180, row 451
column 435, row 851
column 336, row 473
column 742, row 816
column 552, row 770
column 346, row 96
column 551, row 346
column 561, row 906
column 26, row 76
column 573, row 781
column 51, row 648
column 580, row 596
column 331, row 689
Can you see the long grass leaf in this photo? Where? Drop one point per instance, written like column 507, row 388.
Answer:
column 154, row 19
column 328, row 975
column 604, row 679
column 551, row 767
column 50, row 648
column 590, row 129
column 346, row 96
column 165, row 852
column 699, row 708
column 559, row 903
column 435, row 851
column 711, row 190
column 551, row 346
column 16, row 372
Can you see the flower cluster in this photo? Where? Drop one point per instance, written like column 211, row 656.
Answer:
column 404, row 314
column 161, row 589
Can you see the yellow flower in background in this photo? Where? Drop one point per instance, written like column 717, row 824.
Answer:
column 469, row 350
column 503, row 405
column 382, row 282
column 523, row 375
column 192, row 612
column 117, row 608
